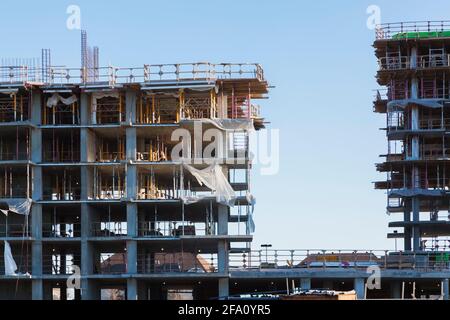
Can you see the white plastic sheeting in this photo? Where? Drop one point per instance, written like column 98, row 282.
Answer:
column 229, row 124
column 18, row 206
column 99, row 95
column 55, row 98
column 401, row 104
column 10, row 264
column 214, row 179
column 250, row 222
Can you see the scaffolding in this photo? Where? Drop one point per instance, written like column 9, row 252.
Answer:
column 14, row 107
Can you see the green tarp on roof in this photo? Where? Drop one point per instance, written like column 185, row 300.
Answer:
column 423, row 34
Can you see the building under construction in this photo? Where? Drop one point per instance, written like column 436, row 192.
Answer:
column 414, row 67
column 93, row 178
column 134, row 183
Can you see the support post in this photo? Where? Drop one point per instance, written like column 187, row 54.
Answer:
column 359, row 288
column 407, row 230
column 416, row 229
column 132, row 292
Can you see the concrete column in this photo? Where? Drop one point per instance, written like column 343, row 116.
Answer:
column 132, row 289
column 87, row 254
column 36, row 146
column 84, row 108
column 359, row 287
column 222, row 256
column 305, row 283
column 222, row 250
column 130, row 106
column 396, row 290
column 407, row 230
column 415, row 121
column 223, row 288
column 131, row 256
column 131, row 144
column 131, row 182
column 132, row 223
column 445, row 289
column 87, row 147
column 35, row 107
column 222, row 220
column 131, row 168
column 37, row 289
column 36, row 251
column 36, row 221
column 416, row 229
column 86, row 183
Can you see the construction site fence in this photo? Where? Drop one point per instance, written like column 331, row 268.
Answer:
column 339, row 259
column 397, row 29
column 119, row 75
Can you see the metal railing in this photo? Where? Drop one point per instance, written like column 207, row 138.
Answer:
column 412, row 29
column 149, row 72
column 12, row 192
column 14, row 156
column 111, row 156
column 14, row 74
column 338, row 259
column 70, row 194
column 109, row 229
column 431, row 184
column 62, row 156
column 161, row 229
column 109, row 194
column 16, row 230
column 114, row 263
column 176, row 262
column 396, row 122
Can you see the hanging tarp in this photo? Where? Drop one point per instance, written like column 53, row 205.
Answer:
column 229, row 124
column 10, row 264
column 402, row 104
column 214, row 179
column 55, row 98
column 18, row 206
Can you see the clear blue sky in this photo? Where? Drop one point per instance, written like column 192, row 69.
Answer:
column 319, row 56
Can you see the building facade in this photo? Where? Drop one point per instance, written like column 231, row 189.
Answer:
column 134, row 183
